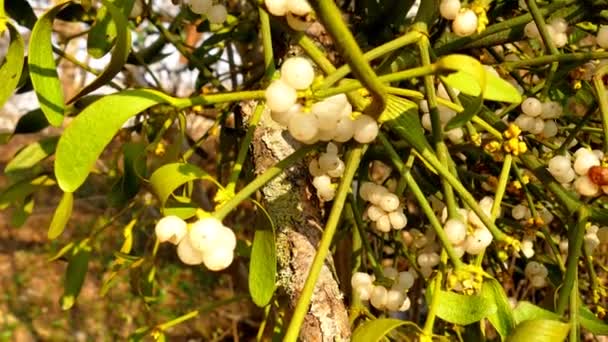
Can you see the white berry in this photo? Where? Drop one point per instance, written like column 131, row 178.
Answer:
column 188, row 254
column 200, row 6
column 449, row 9
column 171, row 229
column 297, row 72
column 276, row 7
column 366, row 129
column 532, row 106
column 303, row 126
column 602, row 37
column 298, row 7
column 455, row 230
column 465, row 23
column 217, row 14
column 280, row 97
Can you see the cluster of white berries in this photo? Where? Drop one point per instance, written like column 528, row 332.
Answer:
column 557, row 31
column 326, row 120
column 426, row 246
column 565, row 172
column 523, row 214
column 464, row 240
column 385, row 209
column 537, row 117
column 207, row 241
column 536, row 273
column 216, row 14
column 393, row 299
column 327, row 166
column 464, row 20
column 595, row 237
column 455, row 135
column 295, row 11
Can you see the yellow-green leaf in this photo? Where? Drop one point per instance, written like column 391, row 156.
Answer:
column 462, row 309
column 61, row 216
column 85, row 138
column 104, row 32
column 75, row 273
column 43, row 69
column 10, row 72
column 375, row 330
column 540, row 330
column 502, row 319
column 31, row 155
column 262, row 267
column 119, row 55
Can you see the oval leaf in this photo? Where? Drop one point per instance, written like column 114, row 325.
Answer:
column 262, row 267
column 461, row 309
column 502, row 319
column 525, row 311
column 375, row 330
column 85, row 138
column 10, row 72
column 104, row 32
column 18, row 191
column 61, row 216
column 31, row 155
column 119, row 55
column 43, row 70
column 169, row 177
column 590, row 322
column 75, row 275
column 540, row 330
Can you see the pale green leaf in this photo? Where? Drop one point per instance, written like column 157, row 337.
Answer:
column 375, row 330
column 61, row 216
column 31, row 155
column 10, row 72
column 75, row 273
column 462, row 309
column 590, row 322
column 540, row 330
column 525, row 311
column 502, row 320
column 262, row 267
column 85, row 138
column 43, row 69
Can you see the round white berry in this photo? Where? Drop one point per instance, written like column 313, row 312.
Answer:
column 280, row 97
column 566, row 177
column 188, row 254
column 559, row 24
column 383, row 224
column 314, row 169
column 366, row 189
column 538, row 281
column 560, row 39
column 532, row 106
column 584, row 186
column 345, row 129
column 426, row 122
column 591, row 241
column 539, row 126
column 527, row 247
column 394, row 300
column 449, row 9
column 534, row 268
column 297, row 23
column 389, row 202
column 465, row 23
column 217, row 14
column 200, row 6
column 379, row 297
column 455, row 230
column 404, row 281
column 559, row 165
column 359, row 279
column 551, row 110
column 282, row 118
column 602, row 37
column 322, row 182
column 327, row 113
column 366, row 129
column 455, row 135
column 531, row 30
column 218, row 259
column 338, row 171
column 276, row 7
column 297, row 72
column 520, row 212
column 374, row 212
column 171, row 229
column 298, row 7
column 478, row 241
column 406, row 304
column 303, row 126
column 550, row 129
column 204, row 233
column 584, row 162
column 398, row 219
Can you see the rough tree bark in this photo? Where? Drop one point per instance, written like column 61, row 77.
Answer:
column 297, row 215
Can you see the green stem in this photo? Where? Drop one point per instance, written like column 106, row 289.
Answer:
column 331, row 17
column 267, row 43
column 360, row 225
column 260, row 181
column 352, row 163
column 547, row 39
column 600, row 92
column 395, row 44
column 209, row 99
column 83, row 66
column 244, row 148
column 574, row 324
column 427, row 330
column 576, row 237
column 562, row 58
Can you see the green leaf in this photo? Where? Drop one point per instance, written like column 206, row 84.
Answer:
column 540, row 330
column 75, row 275
column 119, row 56
column 402, row 116
column 21, row 12
column 10, row 72
column 43, row 70
column 502, row 320
column 169, row 177
column 262, row 267
column 461, row 309
column 22, row 212
column 85, row 138
column 375, row 330
column 590, row 322
column 32, row 122
column 31, row 155
column 525, row 311
column 469, row 75
column 19, row 191
column 103, row 33
column 61, row 216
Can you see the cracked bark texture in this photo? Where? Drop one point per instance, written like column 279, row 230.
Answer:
column 297, row 215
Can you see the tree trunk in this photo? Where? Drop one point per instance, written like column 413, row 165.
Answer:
column 297, row 215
